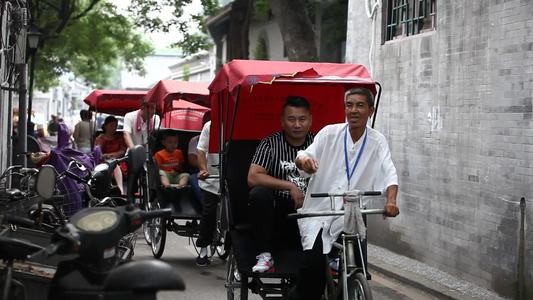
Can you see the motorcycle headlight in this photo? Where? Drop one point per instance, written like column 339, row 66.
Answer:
column 97, row 221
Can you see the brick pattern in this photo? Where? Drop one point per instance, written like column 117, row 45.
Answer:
column 457, row 110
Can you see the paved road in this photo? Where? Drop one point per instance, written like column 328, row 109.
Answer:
column 208, row 282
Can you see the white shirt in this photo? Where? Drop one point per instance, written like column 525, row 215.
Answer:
column 209, row 184
column 375, row 171
column 138, row 137
column 193, row 144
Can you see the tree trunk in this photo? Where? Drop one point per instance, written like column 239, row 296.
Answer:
column 238, row 41
column 296, row 29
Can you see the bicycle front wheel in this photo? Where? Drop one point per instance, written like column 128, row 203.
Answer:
column 158, row 234
column 358, row 287
column 147, row 225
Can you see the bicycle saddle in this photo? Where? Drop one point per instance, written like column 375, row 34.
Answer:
column 145, row 275
column 11, row 248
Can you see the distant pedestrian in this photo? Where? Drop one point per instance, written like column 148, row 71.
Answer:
column 84, row 132
column 53, row 125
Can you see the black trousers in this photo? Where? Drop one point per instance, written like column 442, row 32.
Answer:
column 208, row 221
column 311, row 274
column 268, row 216
column 313, row 267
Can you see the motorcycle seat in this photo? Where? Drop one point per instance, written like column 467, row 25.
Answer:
column 145, row 275
column 14, row 193
column 11, row 248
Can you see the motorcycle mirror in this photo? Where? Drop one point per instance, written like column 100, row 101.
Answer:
column 46, row 182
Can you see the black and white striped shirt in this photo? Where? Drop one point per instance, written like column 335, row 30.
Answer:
column 277, row 156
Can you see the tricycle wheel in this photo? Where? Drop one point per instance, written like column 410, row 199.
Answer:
column 158, row 234
column 233, row 280
column 147, row 225
column 358, row 288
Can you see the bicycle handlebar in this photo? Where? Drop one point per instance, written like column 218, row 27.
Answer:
column 349, row 193
column 329, row 213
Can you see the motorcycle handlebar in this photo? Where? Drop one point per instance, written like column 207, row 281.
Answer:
column 25, row 222
column 20, row 221
column 163, row 213
column 69, row 173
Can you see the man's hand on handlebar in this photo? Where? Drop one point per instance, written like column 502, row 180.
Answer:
column 308, row 164
column 391, row 210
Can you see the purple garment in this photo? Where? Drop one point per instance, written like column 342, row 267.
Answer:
column 60, row 157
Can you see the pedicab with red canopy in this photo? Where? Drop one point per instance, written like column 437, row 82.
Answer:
column 115, row 102
column 118, row 103
column 182, row 105
column 246, row 102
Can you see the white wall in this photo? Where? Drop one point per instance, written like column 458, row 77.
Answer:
column 273, row 38
column 156, row 67
column 201, row 67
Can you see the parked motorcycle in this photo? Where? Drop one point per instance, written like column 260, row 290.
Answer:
column 88, row 244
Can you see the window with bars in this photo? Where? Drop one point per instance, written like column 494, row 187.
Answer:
column 408, row 17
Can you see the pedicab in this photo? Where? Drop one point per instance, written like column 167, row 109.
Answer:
column 246, row 101
column 118, row 103
column 114, row 102
column 183, row 106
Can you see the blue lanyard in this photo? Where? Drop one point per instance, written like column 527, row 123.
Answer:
column 349, row 173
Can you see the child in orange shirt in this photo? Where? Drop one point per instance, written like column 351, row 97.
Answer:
column 170, row 162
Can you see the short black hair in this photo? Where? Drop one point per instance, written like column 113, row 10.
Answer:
column 168, row 133
column 108, row 119
column 361, row 91
column 297, row 101
column 145, row 103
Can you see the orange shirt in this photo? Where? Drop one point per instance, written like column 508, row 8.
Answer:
column 169, row 161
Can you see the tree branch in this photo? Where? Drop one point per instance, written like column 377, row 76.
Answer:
column 89, row 8
column 52, row 5
column 64, row 14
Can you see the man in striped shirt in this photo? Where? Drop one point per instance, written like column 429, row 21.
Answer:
column 277, row 188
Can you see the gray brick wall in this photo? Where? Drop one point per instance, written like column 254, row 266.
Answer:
column 457, row 110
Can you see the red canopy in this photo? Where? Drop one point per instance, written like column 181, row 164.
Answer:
column 247, row 96
column 185, row 116
column 165, row 91
column 115, row 102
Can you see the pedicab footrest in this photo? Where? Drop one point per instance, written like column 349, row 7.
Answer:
column 182, row 203
column 286, row 261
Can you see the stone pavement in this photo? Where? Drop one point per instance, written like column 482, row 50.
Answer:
column 424, row 277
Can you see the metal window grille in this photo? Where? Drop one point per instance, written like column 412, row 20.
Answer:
column 409, row 17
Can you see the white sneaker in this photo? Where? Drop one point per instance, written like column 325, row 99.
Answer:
column 264, row 263
column 334, row 264
column 237, row 275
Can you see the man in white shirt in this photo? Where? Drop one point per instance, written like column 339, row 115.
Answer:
column 343, row 157
column 207, row 166
column 139, row 123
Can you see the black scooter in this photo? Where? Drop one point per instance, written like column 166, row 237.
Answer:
column 88, row 244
